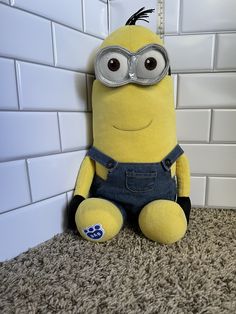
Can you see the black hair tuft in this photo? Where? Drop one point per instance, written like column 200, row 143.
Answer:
column 140, row 15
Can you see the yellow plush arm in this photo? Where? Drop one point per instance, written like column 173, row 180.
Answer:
column 183, row 176
column 85, row 177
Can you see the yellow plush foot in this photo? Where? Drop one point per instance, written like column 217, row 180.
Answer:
column 98, row 220
column 163, row 221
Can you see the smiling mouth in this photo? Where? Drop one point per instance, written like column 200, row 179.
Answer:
column 137, row 129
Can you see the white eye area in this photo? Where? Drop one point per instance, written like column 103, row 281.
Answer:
column 114, row 66
column 150, row 65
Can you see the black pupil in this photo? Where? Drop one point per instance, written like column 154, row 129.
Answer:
column 113, row 64
column 150, row 63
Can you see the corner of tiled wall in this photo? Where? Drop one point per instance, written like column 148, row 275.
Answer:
column 46, row 73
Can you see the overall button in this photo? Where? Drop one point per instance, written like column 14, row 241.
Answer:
column 167, row 162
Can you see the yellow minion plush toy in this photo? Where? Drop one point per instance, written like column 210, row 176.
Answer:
column 135, row 169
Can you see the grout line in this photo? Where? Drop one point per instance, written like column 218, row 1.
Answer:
column 212, row 175
column 206, row 190
column 180, row 17
column 36, row 202
column 46, row 65
column 46, row 111
column 53, row 45
column 211, row 127
column 207, row 71
column 83, row 14
column 109, row 16
column 213, row 52
column 222, row 144
column 215, row 56
column 80, row 149
column 29, row 183
column 59, row 131
column 208, row 107
column 17, row 86
column 201, row 33
column 87, row 93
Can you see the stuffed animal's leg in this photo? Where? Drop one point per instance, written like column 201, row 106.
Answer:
column 163, row 221
column 98, row 220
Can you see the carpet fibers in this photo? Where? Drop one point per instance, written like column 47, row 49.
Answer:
column 129, row 274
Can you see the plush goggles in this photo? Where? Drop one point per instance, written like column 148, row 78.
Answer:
column 116, row 66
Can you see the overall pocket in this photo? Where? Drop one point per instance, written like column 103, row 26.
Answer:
column 140, row 181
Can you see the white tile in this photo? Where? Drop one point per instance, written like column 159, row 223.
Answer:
column 221, row 192
column 224, row 125
column 28, row 133
column 198, row 190
column 95, row 18
column 47, row 88
column 74, row 50
column 25, row 36
column 190, row 52
column 207, row 90
column 31, row 225
column 90, row 80
column 54, row 174
column 193, row 125
column 208, row 15
column 211, row 159
column 171, row 16
column 63, row 11
column 75, row 130
column 121, row 11
column 14, row 187
column 8, row 93
column 226, row 48
column 5, row 1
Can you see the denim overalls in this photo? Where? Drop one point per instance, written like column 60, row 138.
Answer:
column 130, row 186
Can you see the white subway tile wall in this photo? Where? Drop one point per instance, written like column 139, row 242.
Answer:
column 28, row 226
column 69, row 44
column 172, row 16
column 198, row 48
column 91, row 19
column 62, row 89
column 25, row 36
column 208, row 15
column 76, row 130
column 14, row 190
column 46, row 75
column 8, row 91
column 200, row 37
column 54, row 174
column 225, row 52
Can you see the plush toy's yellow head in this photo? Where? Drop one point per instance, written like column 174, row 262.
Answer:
column 133, row 121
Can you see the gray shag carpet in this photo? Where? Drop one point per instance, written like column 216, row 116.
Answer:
column 129, row 274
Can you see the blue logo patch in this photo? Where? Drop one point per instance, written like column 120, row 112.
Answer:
column 94, row 232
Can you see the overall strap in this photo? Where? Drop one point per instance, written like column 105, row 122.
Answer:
column 101, row 158
column 171, row 158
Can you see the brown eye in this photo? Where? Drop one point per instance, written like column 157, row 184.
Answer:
column 150, row 63
column 113, row 64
